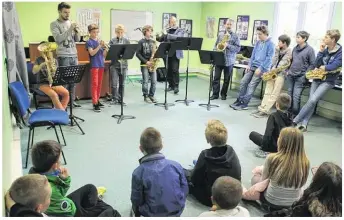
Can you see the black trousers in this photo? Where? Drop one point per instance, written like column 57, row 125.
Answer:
column 89, row 205
column 173, row 71
column 227, row 74
column 256, row 138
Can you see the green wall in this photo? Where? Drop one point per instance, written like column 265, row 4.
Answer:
column 35, row 18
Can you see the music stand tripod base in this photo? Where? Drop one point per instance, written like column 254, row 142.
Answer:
column 166, row 105
column 209, row 106
column 122, row 117
column 186, row 101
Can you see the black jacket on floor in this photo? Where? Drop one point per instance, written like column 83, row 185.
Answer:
column 18, row 210
column 211, row 164
column 276, row 122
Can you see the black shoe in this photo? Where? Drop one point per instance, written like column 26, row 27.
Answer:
column 169, row 89
column 109, row 99
column 100, row 105
column 76, row 105
column 223, row 97
column 96, row 108
column 176, row 91
column 213, row 97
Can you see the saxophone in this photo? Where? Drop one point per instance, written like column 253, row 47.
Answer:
column 221, row 46
column 320, row 73
column 272, row 74
column 155, row 61
column 46, row 49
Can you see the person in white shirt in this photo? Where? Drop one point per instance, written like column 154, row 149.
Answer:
column 226, row 195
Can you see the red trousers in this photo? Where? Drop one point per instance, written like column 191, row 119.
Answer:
column 96, row 84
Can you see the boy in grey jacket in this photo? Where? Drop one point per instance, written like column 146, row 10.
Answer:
column 303, row 59
column 115, row 68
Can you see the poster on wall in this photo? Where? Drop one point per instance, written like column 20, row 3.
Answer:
column 256, row 24
column 221, row 25
column 210, row 27
column 186, row 24
column 242, row 26
column 165, row 19
column 87, row 16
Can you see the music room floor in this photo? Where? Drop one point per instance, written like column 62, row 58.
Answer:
column 109, row 152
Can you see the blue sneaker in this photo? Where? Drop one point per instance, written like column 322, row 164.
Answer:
column 242, row 106
column 235, row 104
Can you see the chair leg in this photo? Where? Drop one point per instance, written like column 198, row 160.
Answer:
column 64, row 140
column 35, row 100
column 33, row 134
column 28, row 148
column 58, row 140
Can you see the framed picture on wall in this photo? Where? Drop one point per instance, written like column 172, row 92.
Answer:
column 165, row 19
column 186, row 24
column 256, row 24
column 221, row 25
column 242, row 26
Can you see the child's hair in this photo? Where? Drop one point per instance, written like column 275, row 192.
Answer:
column 263, row 29
column 284, row 101
column 303, row 34
column 284, row 39
column 30, row 190
column 92, row 27
column 119, row 27
column 216, row 133
column 63, row 5
column 151, row 141
column 289, row 167
column 324, row 195
column 146, row 28
column 227, row 192
column 45, row 154
column 334, row 34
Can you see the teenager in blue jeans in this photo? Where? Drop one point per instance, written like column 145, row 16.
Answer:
column 260, row 62
column 303, row 58
column 329, row 58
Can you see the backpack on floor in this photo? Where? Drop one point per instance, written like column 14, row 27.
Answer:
column 161, row 74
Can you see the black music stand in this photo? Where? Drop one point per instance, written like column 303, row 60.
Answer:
column 213, row 58
column 67, row 75
column 121, row 52
column 164, row 51
column 189, row 43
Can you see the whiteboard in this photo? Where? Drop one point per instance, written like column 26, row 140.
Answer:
column 131, row 20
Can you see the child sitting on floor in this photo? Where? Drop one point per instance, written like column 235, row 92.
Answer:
column 226, row 195
column 29, row 196
column 219, row 160
column 276, row 122
column 84, row 202
column 159, row 187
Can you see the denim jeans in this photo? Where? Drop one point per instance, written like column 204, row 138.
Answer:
column 145, row 78
column 295, row 88
column 116, row 79
column 68, row 61
column 318, row 90
column 227, row 74
column 248, row 85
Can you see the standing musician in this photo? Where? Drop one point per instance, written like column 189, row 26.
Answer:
column 145, row 52
column 230, row 47
column 172, row 32
column 115, row 67
column 66, row 33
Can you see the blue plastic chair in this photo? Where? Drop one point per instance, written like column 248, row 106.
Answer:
column 39, row 118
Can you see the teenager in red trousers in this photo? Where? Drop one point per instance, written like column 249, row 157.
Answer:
column 97, row 53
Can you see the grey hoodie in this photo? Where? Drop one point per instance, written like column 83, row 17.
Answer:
column 303, row 60
column 65, row 38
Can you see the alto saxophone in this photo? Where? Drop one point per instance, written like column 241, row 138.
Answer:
column 47, row 49
column 155, row 61
column 320, row 73
column 272, row 74
column 221, row 46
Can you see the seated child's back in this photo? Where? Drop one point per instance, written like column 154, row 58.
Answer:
column 159, row 187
